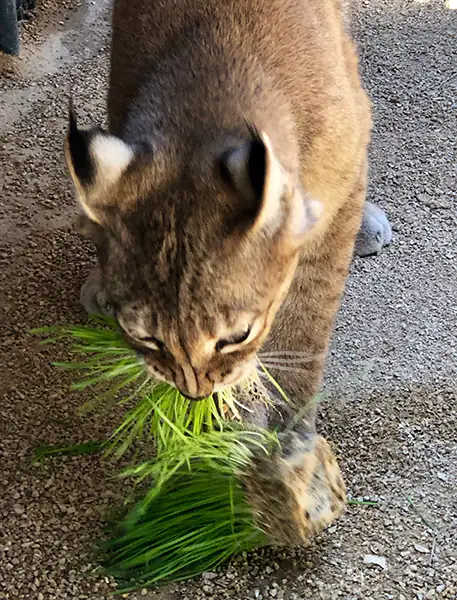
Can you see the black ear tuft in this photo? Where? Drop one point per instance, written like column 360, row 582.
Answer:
column 257, row 160
column 253, row 131
column 72, row 118
column 244, row 168
column 78, row 143
column 257, row 167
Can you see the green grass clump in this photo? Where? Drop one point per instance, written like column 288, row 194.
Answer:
column 197, row 517
column 198, row 521
column 192, row 515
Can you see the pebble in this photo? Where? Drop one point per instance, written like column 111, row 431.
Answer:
column 18, row 509
column 373, row 559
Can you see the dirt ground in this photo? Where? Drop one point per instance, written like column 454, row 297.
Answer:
column 392, row 374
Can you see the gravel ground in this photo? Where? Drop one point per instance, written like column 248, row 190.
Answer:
column 391, row 408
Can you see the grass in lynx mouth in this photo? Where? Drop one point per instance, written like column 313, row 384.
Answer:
column 193, row 514
column 160, row 411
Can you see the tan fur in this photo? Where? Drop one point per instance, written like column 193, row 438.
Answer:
column 193, row 250
column 186, row 77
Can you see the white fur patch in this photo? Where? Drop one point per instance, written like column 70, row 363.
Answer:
column 305, row 213
column 112, row 156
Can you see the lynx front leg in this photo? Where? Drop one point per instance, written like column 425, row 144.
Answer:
column 93, row 296
column 297, row 491
column 299, row 340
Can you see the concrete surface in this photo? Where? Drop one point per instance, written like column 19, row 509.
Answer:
column 391, row 407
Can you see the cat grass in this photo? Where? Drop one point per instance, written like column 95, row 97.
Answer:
column 196, row 518
column 191, row 514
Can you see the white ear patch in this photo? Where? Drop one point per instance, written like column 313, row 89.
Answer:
column 303, row 211
column 111, row 157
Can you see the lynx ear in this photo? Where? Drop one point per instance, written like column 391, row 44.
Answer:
column 96, row 160
column 255, row 172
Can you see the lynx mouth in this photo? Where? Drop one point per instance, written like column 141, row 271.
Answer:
column 196, row 399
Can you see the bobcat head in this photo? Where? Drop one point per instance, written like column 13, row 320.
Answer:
column 197, row 247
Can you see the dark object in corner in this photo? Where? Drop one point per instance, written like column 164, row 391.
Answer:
column 11, row 12
column 9, row 30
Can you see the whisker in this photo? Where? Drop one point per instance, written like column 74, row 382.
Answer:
column 244, row 407
column 288, row 361
column 284, row 353
column 305, row 358
column 287, row 369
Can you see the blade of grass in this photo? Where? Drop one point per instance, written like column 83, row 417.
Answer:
column 85, row 448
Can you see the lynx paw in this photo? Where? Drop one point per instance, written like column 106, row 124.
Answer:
column 93, row 297
column 375, row 231
column 296, row 492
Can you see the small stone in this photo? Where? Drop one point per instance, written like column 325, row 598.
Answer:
column 144, row 592
column 18, row 509
column 108, row 494
column 421, row 549
column 374, row 559
column 208, row 575
column 273, row 593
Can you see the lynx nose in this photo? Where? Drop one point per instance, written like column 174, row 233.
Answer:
column 193, row 383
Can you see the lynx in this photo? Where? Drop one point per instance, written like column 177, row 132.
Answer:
column 225, row 201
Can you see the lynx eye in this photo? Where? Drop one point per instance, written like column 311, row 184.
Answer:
column 153, row 343
column 234, row 340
